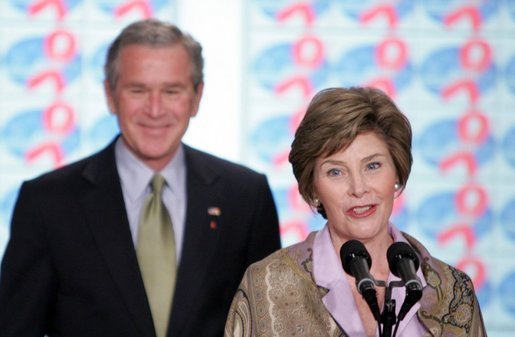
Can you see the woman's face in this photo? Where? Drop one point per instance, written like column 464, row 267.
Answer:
column 356, row 186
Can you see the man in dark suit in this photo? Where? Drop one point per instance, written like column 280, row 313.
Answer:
column 73, row 265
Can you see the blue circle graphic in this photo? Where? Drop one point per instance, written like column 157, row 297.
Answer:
column 26, row 58
column 355, row 9
column 271, row 138
column 25, row 131
column 442, row 68
column 506, row 293
column 440, row 10
column 440, row 140
column 438, row 212
column 360, row 65
column 276, row 64
column 272, row 8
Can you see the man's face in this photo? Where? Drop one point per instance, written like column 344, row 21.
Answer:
column 153, row 100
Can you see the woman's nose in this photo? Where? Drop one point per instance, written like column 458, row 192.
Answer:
column 358, row 185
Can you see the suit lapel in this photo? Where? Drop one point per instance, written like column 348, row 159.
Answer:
column 105, row 211
column 201, row 238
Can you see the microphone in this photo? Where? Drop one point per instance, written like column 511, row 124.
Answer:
column 356, row 261
column 403, row 263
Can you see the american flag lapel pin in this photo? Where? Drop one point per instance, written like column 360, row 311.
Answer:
column 213, row 213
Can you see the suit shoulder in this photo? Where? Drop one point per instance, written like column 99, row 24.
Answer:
column 59, row 173
column 212, row 162
column 67, row 173
column 298, row 257
column 432, row 265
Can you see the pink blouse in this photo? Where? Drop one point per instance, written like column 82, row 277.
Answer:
column 329, row 273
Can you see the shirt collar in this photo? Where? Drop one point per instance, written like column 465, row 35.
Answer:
column 135, row 175
column 328, row 273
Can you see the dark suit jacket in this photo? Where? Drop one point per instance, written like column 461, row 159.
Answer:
column 70, row 267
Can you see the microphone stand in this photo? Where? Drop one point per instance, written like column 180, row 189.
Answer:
column 388, row 316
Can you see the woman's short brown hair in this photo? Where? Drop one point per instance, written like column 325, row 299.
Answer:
column 334, row 118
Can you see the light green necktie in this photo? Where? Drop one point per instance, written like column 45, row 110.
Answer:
column 156, row 256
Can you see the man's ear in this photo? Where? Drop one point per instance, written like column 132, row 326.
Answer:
column 197, row 98
column 108, row 92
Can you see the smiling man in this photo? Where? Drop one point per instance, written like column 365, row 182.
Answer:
column 148, row 237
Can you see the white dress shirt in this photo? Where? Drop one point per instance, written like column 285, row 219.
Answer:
column 135, row 178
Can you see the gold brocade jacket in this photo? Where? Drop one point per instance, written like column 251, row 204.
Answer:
column 278, row 296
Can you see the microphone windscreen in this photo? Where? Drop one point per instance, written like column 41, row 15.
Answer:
column 396, row 252
column 349, row 251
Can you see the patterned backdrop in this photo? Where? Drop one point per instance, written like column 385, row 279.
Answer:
column 449, row 64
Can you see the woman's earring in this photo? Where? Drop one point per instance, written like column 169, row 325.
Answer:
column 316, row 202
column 397, row 186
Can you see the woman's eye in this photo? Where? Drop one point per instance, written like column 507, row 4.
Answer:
column 373, row 166
column 334, row 172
